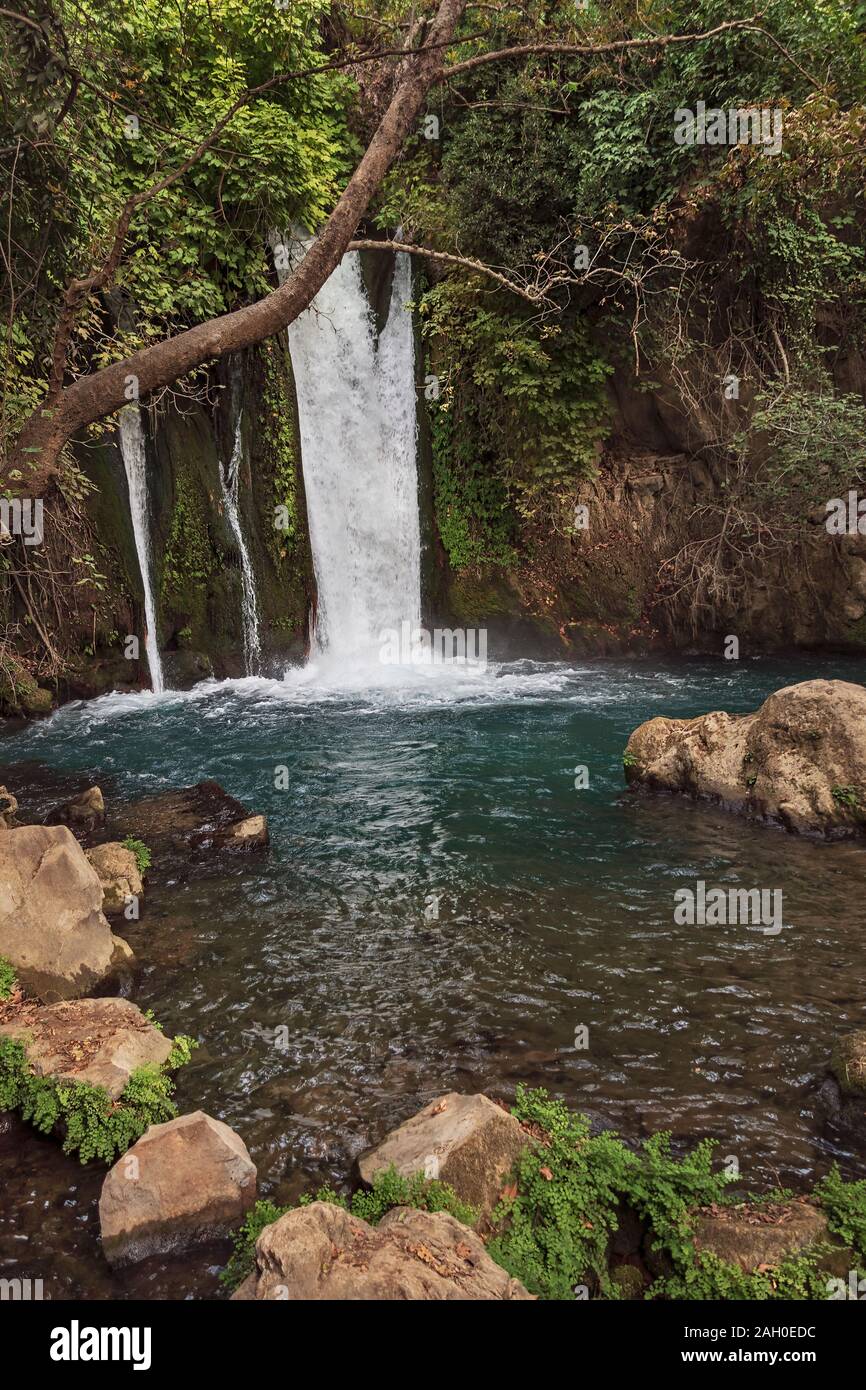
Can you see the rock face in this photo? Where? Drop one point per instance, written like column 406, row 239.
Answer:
column 466, row 1141
column 8, row 807
column 100, row 1041
column 763, row 1234
column 848, row 1063
column 203, row 817
column 117, row 868
column 800, row 760
column 183, row 1183
column 82, row 814
column 51, row 923
column 321, row 1252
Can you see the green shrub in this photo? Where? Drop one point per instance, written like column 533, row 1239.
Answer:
column 8, row 978
column 95, row 1126
column 141, row 852
column 389, row 1190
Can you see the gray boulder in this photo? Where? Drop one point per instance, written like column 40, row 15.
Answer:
column 52, row 927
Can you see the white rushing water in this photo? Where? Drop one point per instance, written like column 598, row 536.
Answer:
column 134, row 461
column 229, row 477
column 356, row 406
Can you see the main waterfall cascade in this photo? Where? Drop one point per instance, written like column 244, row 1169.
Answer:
column 229, row 477
column 357, row 414
column 135, row 463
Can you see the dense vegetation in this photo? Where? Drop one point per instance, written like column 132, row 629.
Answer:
column 92, row 1124
column 570, row 1194
column 703, row 264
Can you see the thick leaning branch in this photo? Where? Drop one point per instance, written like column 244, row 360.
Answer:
column 92, row 397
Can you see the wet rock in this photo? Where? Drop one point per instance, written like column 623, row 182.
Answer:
column 203, row 817
column 34, row 700
column 52, row 927
column 848, row 1063
column 800, row 760
column 8, row 807
column 760, row 1234
column 466, row 1141
column 630, row 1281
column 98, row 1041
column 251, row 833
column 117, row 868
column 83, row 814
column 183, row 1183
column 321, row 1252
column 843, row 1113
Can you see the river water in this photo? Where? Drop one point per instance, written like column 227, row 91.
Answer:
column 442, row 909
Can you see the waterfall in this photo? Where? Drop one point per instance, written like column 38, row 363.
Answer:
column 356, row 407
column 134, row 461
column 229, row 478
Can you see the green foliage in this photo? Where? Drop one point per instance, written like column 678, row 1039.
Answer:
column 8, row 978
column 570, row 1186
column 796, row 1277
column 278, row 429
column 845, row 1205
column 846, row 796
column 140, row 850
column 388, row 1190
column 806, row 444
column 190, row 560
column 94, row 1125
column 571, row 1191
column 241, row 1262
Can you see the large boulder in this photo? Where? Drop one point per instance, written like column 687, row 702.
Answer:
column 83, row 814
column 800, row 760
column 761, row 1235
column 466, row 1141
column 321, row 1252
column 183, row 1183
column 119, row 875
column 98, row 1041
column 51, row 924
column 199, row 818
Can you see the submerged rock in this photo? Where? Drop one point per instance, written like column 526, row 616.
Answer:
column 117, row 868
column 183, row 1183
column 466, row 1141
column 763, row 1234
column 321, row 1252
column 800, row 760
column 8, row 808
column 203, row 817
column 97, row 1041
column 84, row 813
column 848, row 1063
column 52, row 927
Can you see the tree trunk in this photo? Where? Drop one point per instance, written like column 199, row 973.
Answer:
column 95, row 396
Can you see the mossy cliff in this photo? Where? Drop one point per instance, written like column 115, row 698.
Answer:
column 196, row 564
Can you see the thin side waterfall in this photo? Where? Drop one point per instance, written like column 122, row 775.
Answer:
column 229, row 477
column 356, row 405
column 134, row 461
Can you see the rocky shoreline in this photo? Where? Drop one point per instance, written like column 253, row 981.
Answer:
column 432, row 1210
